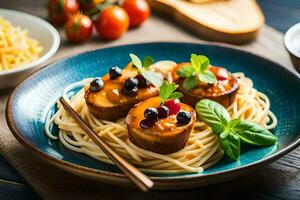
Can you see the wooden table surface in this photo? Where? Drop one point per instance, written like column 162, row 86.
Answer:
column 282, row 180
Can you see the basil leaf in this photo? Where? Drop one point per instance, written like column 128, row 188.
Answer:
column 207, row 77
column 213, row 114
column 204, row 63
column 151, row 76
column 196, row 62
column 176, row 95
column 196, row 72
column 136, row 61
column 147, row 62
column 233, row 123
column 254, row 134
column 185, row 71
column 166, row 91
column 199, row 62
column 190, row 83
column 230, row 143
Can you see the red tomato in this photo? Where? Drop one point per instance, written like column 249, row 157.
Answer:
column 60, row 10
column 138, row 11
column 79, row 28
column 112, row 23
column 220, row 72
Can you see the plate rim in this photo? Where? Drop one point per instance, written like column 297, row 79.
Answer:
column 105, row 174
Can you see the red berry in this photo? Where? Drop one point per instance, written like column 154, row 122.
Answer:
column 220, row 72
column 173, row 105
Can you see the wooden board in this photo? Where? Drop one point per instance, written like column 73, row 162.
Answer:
column 232, row 21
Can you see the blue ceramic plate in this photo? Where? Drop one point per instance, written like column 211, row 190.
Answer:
column 32, row 101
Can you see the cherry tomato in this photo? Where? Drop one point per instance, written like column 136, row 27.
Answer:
column 138, row 11
column 112, row 23
column 220, row 72
column 79, row 28
column 60, row 10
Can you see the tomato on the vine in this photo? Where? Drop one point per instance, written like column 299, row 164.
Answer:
column 138, row 11
column 60, row 10
column 112, row 23
column 87, row 5
column 79, row 28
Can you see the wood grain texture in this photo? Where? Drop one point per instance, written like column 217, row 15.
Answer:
column 281, row 14
column 279, row 180
column 8, row 173
column 235, row 21
column 12, row 191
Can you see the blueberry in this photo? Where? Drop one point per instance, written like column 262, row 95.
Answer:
column 131, row 92
column 131, row 83
column 96, row 85
column 114, row 73
column 147, row 123
column 151, row 113
column 183, row 118
column 143, row 83
column 163, row 112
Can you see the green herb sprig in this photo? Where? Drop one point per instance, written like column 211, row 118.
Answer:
column 143, row 67
column 168, row 91
column 232, row 132
column 196, row 72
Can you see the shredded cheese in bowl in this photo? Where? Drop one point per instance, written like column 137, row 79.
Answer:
column 16, row 47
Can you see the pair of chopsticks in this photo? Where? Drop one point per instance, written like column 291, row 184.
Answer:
column 135, row 175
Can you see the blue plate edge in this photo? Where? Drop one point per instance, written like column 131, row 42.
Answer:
column 17, row 135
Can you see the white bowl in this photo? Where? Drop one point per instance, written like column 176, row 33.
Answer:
column 292, row 44
column 39, row 30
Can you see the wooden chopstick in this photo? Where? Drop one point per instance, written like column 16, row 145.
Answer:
column 135, row 175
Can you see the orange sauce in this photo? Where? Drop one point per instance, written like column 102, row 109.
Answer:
column 169, row 124
column 111, row 94
column 216, row 89
column 203, row 89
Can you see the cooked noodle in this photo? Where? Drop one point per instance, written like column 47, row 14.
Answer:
column 16, row 47
column 201, row 151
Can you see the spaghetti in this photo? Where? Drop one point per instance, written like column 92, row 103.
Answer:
column 16, row 48
column 201, row 151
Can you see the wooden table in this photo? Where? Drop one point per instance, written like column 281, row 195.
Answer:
column 281, row 180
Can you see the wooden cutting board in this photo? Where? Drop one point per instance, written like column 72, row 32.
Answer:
column 231, row 21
